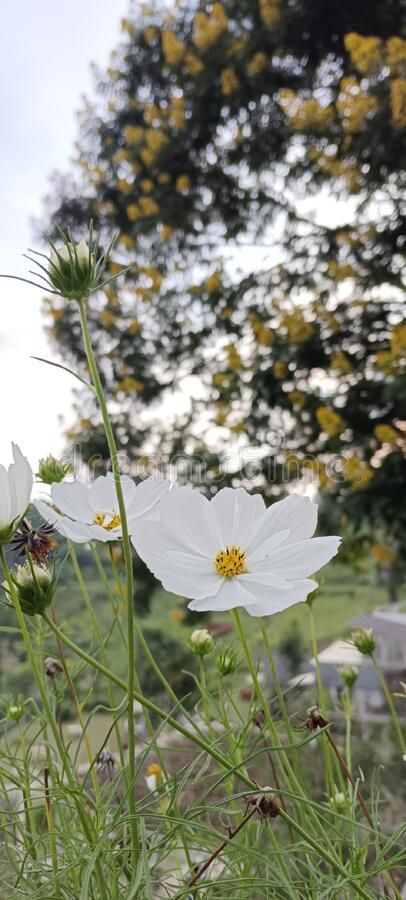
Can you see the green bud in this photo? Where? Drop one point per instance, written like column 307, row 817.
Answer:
column 349, row 675
column 201, row 642
column 15, row 711
column 338, row 802
column 51, row 470
column 364, row 640
column 36, row 587
column 227, row 661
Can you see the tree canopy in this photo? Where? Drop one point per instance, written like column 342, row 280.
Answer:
column 250, row 154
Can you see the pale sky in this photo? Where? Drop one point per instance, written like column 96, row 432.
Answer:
column 46, row 51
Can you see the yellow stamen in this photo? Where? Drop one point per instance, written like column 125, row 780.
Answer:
column 100, row 519
column 231, row 561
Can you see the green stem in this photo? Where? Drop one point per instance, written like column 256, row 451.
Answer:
column 392, row 708
column 49, row 715
column 94, row 372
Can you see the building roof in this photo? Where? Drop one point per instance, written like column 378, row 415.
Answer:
column 385, row 622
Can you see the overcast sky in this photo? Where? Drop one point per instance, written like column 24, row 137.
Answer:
column 47, row 48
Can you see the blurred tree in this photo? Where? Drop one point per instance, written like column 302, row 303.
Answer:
column 250, row 155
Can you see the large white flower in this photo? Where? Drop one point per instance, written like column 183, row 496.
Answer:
column 90, row 512
column 15, row 493
column 231, row 551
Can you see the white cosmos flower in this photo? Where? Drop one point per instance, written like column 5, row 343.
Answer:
column 90, row 512
column 231, row 551
column 15, row 492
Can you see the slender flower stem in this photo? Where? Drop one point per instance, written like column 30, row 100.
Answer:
column 51, row 831
column 321, row 699
column 392, row 708
column 97, row 384
column 288, row 771
column 87, row 828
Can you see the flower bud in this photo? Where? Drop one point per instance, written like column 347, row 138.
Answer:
column 76, row 270
column 15, row 711
column 52, row 471
column 201, row 642
column 154, row 776
column 36, row 587
column 364, row 640
column 227, row 661
column 349, row 675
column 338, row 802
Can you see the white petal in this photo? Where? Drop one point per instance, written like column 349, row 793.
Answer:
column 5, row 503
column 264, row 549
column 261, row 573
column 298, row 514
column 78, row 532
column 304, row 558
column 72, row 498
column 103, row 494
column 180, row 572
column 21, row 481
column 237, row 512
column 231, row 594
column 147, row 494
column 270, row 601
column 188, row 515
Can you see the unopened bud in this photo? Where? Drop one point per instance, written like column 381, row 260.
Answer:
column 227, row 661
column 36, row 587
column 349, row 675
column 15, row 711
column 201, row 642
column 364, row 640
column 52, row 471
column 338, row 802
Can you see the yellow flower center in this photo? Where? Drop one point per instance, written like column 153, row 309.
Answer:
column 231, row 561
column 102, row 519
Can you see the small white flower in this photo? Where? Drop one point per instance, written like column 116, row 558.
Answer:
column 15, row 493
column 231, row 551
column 87, row 513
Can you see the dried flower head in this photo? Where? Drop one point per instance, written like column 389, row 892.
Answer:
column 38, row 543
column 53, row 668
column 267, row 806
column 315, row 719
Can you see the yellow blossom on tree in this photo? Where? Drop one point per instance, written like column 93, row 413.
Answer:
column 297, row 399
column 166, row 232
column 127, row 26
column 129, row 385
column 398, row 339
column 234, row 360
column 398, row 102
column 134, row 326
column 340, row 362
column 213, row 282
column 133, row 134
column 353, row 106
column 124, row 186
column 172, row 48
column 148, row 156
column 126, row 240
column 148, row 206
column 386, row 434
column 163, row 178
column 366, row 52
column 257, row 63
column 177, row 112
column 238, row 428
column 207, row 29
column 220, row 379
column 383, row 555
column 229, row 81
column 108, row 318
column 193, row 64
column 133, row 212
column 279, row 368
column 357, row 472
column 183, row 184
column 341, row 271
column 305, row 115
column 155, row 139
column 150, row 35
column 299, row 331
column 269, row 11
column 221, row 414
column 147, row 185
column 329, row 421
column 396, row 55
